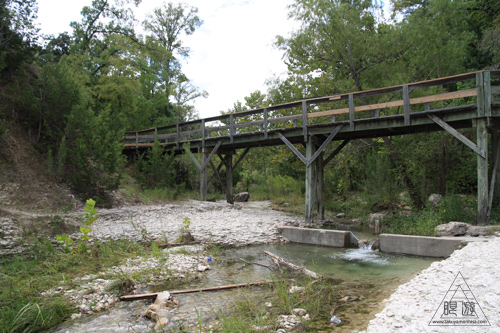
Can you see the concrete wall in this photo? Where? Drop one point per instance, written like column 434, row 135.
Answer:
column 437, row 247
column 333, row 238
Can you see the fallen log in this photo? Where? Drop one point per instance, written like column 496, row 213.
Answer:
column 163, row 246
column 278, row 260
column 153, row 295
column 254, row 263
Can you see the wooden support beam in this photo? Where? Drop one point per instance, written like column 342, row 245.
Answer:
column 205, row 163
column 203, row 174
column 242, row 156
column 190, row 154
column 292, row 147
column 478, row 149
column 219, row 167
column 482, row 172
column 228, row 161
column 325, row 143
column 496, row 153
column 216, row 174
column 320, row 187
column 335, row 152
column 310, row 183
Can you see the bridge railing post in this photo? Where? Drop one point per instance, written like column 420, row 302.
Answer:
column 351, row 112
column 304, row 120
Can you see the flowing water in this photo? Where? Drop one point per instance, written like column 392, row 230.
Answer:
column 363, row 274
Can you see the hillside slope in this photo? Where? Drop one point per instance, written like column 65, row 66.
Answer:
column 25, row 183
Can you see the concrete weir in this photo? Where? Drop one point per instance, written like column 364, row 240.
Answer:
column 333, row 238
column 435, row 247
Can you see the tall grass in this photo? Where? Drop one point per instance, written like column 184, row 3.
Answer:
column 24, row 277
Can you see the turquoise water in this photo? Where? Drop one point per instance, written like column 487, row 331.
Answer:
column 359, row 271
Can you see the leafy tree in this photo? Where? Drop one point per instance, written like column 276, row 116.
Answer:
column 166, row 25
column 17, row 32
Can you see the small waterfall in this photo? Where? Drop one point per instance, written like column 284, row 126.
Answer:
column 364, row 251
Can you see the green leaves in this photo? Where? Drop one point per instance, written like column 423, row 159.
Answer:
column 90, row 212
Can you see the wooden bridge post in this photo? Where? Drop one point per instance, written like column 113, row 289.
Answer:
column 320, row 189
column 228, row 161
column 311, row 183
column 483, row 111
column 203, row 174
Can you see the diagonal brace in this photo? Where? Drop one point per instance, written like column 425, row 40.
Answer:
column 323, row 146
column 457, row 135
column 292, row 147
column 336, row 151
column 190, row 154
column 211, row 155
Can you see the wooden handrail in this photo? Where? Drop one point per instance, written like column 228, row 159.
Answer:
column 417, row 100
column 302, row 114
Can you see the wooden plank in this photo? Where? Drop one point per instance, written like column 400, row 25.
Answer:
column 458, row 135
column 417, row 100
column 176, row 292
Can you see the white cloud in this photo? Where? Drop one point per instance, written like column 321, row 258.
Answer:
column 231, row 53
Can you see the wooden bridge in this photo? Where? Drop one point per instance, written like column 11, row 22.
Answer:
column 316, row 122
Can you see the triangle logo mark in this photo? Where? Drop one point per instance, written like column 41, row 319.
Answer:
column 459, row 307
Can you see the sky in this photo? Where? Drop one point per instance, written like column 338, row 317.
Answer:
column 232, row 53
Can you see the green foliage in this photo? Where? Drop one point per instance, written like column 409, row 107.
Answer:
column 83, row 245
column 184, row 234
column 451, row 208
column 24, row 277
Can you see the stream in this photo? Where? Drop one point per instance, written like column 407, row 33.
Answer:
column 363, row 274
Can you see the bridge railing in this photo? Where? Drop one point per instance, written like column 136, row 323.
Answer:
column 405, row 100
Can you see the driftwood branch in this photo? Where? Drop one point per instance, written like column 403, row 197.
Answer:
column 278, row 260
column 254, row 263
column 153, row 295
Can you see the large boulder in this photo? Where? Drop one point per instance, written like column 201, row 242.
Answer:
column 241, row 197
column 452, row 229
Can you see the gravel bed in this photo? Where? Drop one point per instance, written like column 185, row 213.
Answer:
column 415, row 304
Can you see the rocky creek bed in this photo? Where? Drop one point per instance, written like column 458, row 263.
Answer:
column 410, row 308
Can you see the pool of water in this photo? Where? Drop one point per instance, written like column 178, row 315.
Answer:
column 362, row 273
